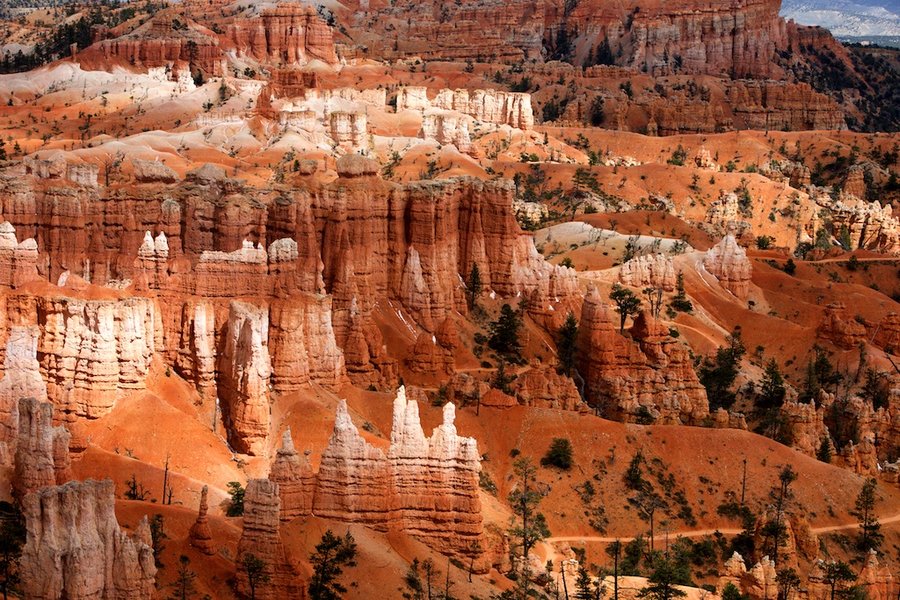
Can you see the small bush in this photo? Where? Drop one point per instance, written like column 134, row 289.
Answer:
column 790, row 267
column 559, row 454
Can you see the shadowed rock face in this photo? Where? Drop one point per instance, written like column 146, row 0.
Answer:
column 426, row 486
column 75, row 549
column 736, row 39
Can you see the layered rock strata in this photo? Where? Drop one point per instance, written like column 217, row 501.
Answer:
column 489, row 106
column 187, row 254
column 425, row 486
column 647, row 377
column 42, row 452
column 295, row 478
column 649, row 270
column 94, row 351
column 284, row 34
column 728, row 262
column 21, row 379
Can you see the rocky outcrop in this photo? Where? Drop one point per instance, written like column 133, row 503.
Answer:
column 489, row 31
column 152, row 171
column 348, row 129
column 295, row 478
column 738, row 40
column 167, row 39
column 286, row 34
column 887, row 333
column 447, row 129
column 542, row 387
column 855, row 182
column 302, row 344
column 649, row 377
column 152, row 269
column 862, row 458
column 200, row 534
column 92, row 352
column 18, row 260
column 243, row 377
column 75, row 548
column 725, row 419
column 869, row 225
column 649, row 270
column 433, row 354
column 807, row 425
column 876, row 578
column 840, row 328
column 353, row 481
column 781, row 106
column 21, row 379
column 426, row 486
column 261, row 537
column 728, row 262
column 42, row 451
column 758, row 582
column 488, row 106
column 435, row 480
column 725, row 216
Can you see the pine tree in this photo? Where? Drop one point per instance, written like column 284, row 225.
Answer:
column 772, row 389
column 505, row 333
column 255, row 569
column 473, row 285
column 183, row 587
column 826, row 450
column 157, row 535
column 566, row 342
column 236, row 507
column 559, row 454
column 414, row 585
column 680, row 301
column 731, row 592
column 331, row 555
column 626, row 302
column 718, row 374
column 864, row 509
column 583, row 585
column 530, row 526
column 837, row 573
column 662, row 581
column 787, row 580
column 775, row 529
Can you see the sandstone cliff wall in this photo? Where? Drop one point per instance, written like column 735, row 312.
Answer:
column 75, row 548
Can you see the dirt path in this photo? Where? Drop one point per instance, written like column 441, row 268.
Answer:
column 704, row 532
